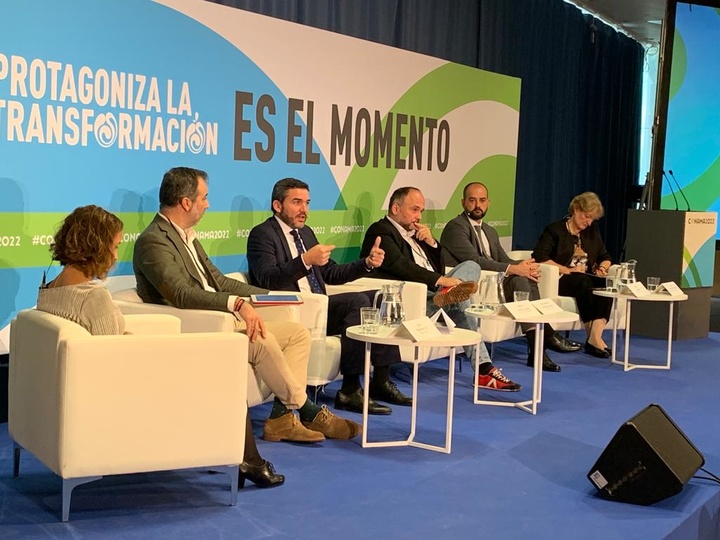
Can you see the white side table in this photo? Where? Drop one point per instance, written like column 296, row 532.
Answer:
column 385, row 336
column 655, row 297
column 539, row 321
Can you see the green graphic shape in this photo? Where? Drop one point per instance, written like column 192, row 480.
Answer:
column 679, row 64
column 434, row 96
column 702, row 191
column 699, row 272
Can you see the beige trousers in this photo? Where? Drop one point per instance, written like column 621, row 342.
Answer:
column 281, row 360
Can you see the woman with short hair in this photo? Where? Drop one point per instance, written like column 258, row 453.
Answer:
column 575, row 246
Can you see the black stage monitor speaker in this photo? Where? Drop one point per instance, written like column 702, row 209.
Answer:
column 649, row 459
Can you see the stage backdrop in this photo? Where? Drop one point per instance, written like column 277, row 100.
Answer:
column 99, row 99
column 692, row 148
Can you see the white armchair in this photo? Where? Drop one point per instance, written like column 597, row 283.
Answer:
column 414, row 299
column 548, row 288
column 202, row 320
column 88, row 406
column 494, row 331
column 324, row 366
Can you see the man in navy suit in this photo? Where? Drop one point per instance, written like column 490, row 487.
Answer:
column 283, row 254
column 468, row 238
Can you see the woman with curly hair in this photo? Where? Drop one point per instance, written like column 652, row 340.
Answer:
column 86, row 247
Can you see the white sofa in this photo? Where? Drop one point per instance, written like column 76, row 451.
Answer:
column 88, row 406
column 324, row 365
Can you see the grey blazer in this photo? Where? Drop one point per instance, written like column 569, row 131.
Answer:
column 166, row 274
column 460, row 243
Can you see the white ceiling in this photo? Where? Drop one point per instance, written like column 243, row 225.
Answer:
column 640, row 19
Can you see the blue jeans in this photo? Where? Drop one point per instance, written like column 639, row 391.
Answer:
column 465, row 271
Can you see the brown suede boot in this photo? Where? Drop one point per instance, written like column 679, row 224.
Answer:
column 288, row 428
column 333, row 427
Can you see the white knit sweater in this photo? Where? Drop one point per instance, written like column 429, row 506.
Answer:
column 89, row 305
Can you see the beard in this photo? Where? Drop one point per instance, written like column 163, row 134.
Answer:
column 477, row 215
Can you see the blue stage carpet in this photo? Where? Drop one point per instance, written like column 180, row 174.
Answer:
column 510, row 475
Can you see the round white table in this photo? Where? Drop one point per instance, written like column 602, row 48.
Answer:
column 539, row 320
column 398, row 336
column 653, row 297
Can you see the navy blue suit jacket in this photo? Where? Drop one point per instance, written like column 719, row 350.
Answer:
column 273, row 267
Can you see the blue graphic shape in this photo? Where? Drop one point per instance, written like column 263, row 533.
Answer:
column 693, row 126
column 140, row 37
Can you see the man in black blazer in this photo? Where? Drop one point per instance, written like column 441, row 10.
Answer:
column 284, row 254
column 412, row 254
column 468, row 238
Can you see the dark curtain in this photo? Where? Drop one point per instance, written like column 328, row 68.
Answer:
column 581, row 88
column 579, row 111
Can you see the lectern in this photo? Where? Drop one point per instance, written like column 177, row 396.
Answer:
column 675, row 246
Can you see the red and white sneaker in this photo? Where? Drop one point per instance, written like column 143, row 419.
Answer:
column 495, row 380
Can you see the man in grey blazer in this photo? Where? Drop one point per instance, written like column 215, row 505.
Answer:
column 172, row 268
column 468, row 238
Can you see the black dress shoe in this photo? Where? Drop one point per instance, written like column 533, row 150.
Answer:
column 547, row 365
column 263, row 476
column 597, row 352
column 559, row 344
column 354, row 403
column 574, row 343
column 388, row 391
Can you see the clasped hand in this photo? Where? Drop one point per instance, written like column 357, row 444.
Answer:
column 528, row 269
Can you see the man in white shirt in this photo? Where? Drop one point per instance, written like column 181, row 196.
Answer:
column 284, row 254
column 172, row 268
column 412, row 254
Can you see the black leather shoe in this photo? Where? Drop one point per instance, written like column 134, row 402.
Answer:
column 560, row 344
column 594, row 351
column 354, row 403
column 547, row 365
column 388, row 392
column 263, row 476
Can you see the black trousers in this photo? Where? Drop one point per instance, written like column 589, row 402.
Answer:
column 344, row 311
column 520, row 283
column 580, row 286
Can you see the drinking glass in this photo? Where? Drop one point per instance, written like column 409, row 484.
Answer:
column 611, row 284
column 652, row 283
column 369, row 320
column 519, row 296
